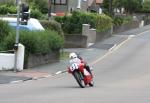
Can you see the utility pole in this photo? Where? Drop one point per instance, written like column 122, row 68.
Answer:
column 17, row 35
column 49, row 9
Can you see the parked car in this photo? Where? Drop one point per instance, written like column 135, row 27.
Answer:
column 33, row 24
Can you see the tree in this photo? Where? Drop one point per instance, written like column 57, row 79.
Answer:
column 129, row 5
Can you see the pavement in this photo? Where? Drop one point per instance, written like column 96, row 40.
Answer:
column 90, row 54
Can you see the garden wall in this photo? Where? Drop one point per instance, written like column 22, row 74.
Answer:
column 75, row 41
column 122, row 28
column 39, row 59
column 7, row 59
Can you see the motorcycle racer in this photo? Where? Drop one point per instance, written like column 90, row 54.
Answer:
column 74, row 58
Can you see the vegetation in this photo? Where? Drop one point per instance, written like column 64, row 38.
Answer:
column 52, row 25
column 40, row 5
column 34, row 41
column 129, row 5
column 73, row 24
column 121, row 20
column 4, row 31
column 146, row 6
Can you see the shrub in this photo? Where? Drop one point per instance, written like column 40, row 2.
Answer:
column 36, row 14
column 4, row 30
column 73, row 24
column 146, row 6
column 7, row 2
column 41, row 5
column 12, row 10
column 52, row 25
column 36, row 41
column 3, row 9
column 121, row 20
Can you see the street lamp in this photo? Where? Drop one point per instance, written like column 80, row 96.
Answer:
column 17, row 35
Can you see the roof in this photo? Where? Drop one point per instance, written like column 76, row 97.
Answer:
column 97, row 2
column 90, row 2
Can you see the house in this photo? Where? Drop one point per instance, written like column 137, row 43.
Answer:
column 63, row 6
column 94, row 5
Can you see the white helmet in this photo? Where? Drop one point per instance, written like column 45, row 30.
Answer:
column 72, row 55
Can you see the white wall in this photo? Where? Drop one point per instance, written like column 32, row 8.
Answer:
column 7, row 59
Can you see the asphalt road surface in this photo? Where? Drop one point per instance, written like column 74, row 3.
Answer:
column 123, row 76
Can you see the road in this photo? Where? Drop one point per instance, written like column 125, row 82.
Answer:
column 123, row 76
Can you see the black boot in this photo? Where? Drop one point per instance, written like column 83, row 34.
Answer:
column 88, row 69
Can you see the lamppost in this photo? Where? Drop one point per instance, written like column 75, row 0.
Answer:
column 17, row 35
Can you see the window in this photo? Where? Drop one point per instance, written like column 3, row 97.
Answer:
column 59, row 2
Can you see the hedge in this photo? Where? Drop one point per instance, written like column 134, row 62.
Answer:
column 36, row 41
column 121, row 20
column 4, row 30
column 73, row 24
column 52, row 25
column 4, row 9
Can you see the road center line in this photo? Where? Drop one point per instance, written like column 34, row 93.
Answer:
column 115, row 47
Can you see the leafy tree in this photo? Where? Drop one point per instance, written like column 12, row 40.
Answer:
column 129, row 5
column 41, row 5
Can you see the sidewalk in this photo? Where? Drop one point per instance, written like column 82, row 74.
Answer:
column 90, row 54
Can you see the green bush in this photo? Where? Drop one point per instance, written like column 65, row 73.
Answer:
column 12, row 10
column 7, row 2
column 121, row 20
column 73, row 24
column 4, row 9
column 35, row 14
column 41, row 5
column 146, row 6
column 36, row 41
column 4, row 30
column 52, row 25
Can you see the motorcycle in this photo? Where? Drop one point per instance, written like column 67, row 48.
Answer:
column 82, row 76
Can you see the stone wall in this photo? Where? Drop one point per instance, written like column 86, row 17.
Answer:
column 102, row 35
column 39, row 59
column 122, row 28
column 75, row 41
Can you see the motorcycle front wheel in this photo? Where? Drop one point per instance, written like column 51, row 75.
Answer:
column 79, row 78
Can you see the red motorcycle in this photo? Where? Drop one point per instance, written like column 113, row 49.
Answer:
column 82, row 76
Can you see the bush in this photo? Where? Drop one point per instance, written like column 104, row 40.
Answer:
column 36, row 41
column 52, row 25
column 4, row 9
column 121, row 20
column 12, row 10
column 7, row 2
column 35, row 14
column 4, row 30
column 73, row 24
column 146, row 6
